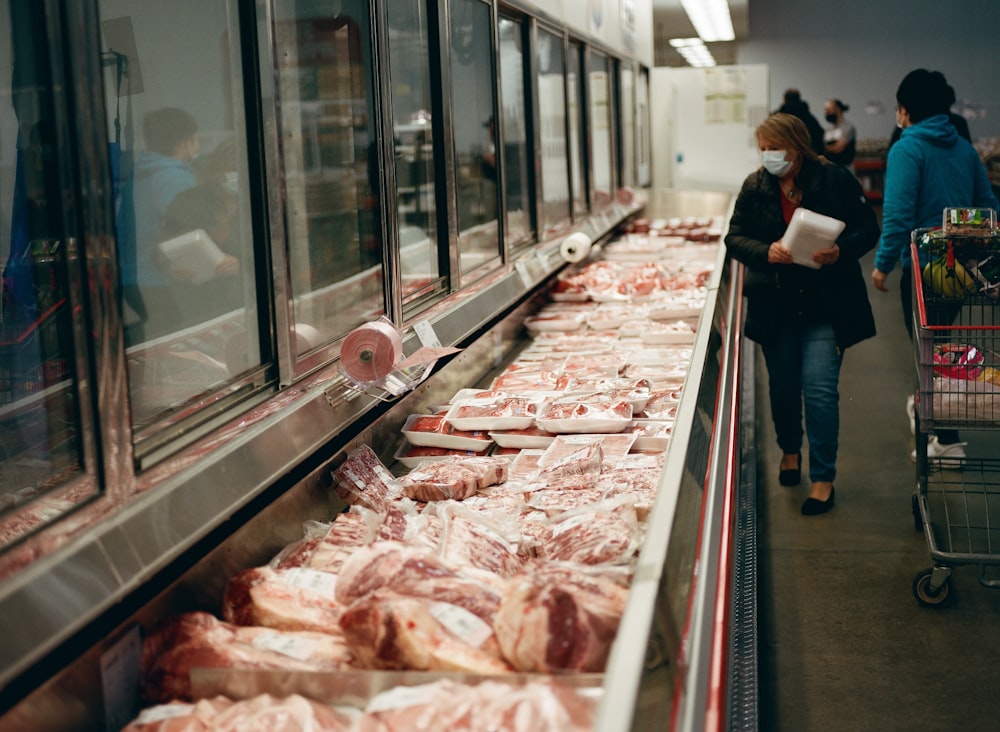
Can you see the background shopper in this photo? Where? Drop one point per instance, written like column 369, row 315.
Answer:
column 929, row 169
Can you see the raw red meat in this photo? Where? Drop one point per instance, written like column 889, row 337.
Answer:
column 362, row 479
column 264, row 713
column 452, row 479
column 603, row 535
column 393, row 632
column 537, row 706
column 409, row 571
column 559, row 619
column 286, row 599
column 325, row 546
column 199, row 640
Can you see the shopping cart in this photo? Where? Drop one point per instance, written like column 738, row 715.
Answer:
column 956, row 315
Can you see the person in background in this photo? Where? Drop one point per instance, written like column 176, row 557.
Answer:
column 839, row 141
column 794, row 105
column 803, row 318
column 162, row 170
column 929, row 169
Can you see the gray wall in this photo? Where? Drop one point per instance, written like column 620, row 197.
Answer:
column 859, row 50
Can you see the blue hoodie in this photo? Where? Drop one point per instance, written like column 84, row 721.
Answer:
column 157, row 179
column 929, row 169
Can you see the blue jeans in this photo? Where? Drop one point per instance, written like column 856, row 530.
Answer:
column 803, row 366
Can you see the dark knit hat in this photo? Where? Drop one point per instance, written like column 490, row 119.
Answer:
column 924, row 94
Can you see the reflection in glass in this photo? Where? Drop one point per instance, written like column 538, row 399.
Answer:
column 472, row 81
column 40, row 447
column 330, row 168
column 642, row 128
column 517, row 179
column 602, row 160
column 409, row 61
column 628, row 126
column 183, row 207
column 577, row 138
column 552, row 120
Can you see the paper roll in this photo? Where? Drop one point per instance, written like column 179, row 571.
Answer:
column 575, row 247
column 371, row 351
column 306, row 337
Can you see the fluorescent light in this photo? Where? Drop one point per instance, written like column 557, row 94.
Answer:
column 694, row 51
column 710, row 19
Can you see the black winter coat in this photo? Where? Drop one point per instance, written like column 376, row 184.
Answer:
column 782, row 293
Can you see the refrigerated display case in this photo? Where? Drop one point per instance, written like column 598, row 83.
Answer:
column 671, row 656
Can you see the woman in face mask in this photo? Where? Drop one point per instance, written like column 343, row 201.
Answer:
column 840, row 141
column 803, row 318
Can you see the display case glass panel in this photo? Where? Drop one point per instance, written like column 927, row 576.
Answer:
column 413, row 128
column 642, row 142
column 41, row 449
column 577, row 129
column 552, row 123
column 177, row 122
column 475, row 134
column 518, row 225
column 599, row 102
column 627, row 107
column 329, row 166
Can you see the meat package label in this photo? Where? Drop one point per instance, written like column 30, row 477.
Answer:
column 468, row 627
column 311, row 580
column 301, row 649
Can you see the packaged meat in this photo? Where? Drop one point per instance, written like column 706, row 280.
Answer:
column 584, row 414
column 433, row 430
column 556, row 618
column 262, row 713
column 492, row 413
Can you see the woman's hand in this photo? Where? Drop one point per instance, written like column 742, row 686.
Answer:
column 830, row 255
column 878, row 280
column 777, row 254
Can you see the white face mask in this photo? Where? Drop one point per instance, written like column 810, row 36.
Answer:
column 775, row 162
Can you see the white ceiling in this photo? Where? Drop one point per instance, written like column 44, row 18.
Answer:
column 670, row 21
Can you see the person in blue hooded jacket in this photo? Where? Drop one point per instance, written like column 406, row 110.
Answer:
column 929, row 169
column 160, row 172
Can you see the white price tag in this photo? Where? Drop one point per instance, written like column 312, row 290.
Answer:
column 470, row 628
column 425, row 332
column 311, row 580
column 543, row 259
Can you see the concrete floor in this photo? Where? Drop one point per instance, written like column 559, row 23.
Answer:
column 844, row 645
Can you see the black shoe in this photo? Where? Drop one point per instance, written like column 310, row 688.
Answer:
column 793, row 476
column 814, row 506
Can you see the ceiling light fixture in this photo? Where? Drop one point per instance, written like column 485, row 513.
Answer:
column 693, row 51
column 710, row 19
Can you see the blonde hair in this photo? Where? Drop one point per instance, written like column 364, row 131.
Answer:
column 787, row 132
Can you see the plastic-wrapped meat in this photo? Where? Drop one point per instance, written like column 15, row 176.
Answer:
column 199, row 640
column 285, row 599
column 662, row 404
column 263, row 713
column 490, row 542
column 556, row 501
column 559, row 619
column 362, row 479
column 604, row 533
column 453, row 479
column 591, row 409
column 403, row 521
column 326, row 546
column 408, row 633
column 413, row 572
column 579, row 469
column 537, row 706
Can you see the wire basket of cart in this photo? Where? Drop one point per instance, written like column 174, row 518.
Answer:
column 956, row 294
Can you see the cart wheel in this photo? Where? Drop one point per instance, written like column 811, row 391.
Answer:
column 918, row 523
column 922, row 590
